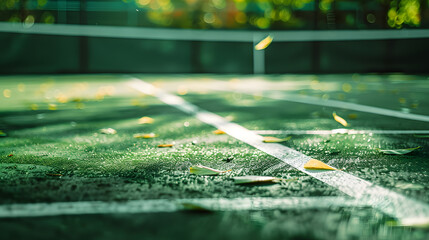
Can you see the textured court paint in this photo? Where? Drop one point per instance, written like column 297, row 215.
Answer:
column 168, row 205
column 389, row 202
column 340, row 131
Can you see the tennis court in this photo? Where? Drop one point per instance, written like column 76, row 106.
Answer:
column 214, row 120
column 55, row 155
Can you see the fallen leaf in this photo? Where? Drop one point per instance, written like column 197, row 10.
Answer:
column 340, row 119
column 275, row 140
column 202, row 170
column 54, row 174
column 52, row 107
column 61, row 98
column 108, row 131
column 397, row 151
column 218, row 131
column 76, row 99
column 145, row 135
column 34, row 107
column 2, row 134
column 7, row 93
column 165, row 145
column 264, row 43
column 146, row 120
column 314, row 164
column 256, row 179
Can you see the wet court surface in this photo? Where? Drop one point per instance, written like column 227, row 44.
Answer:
column 53, row 152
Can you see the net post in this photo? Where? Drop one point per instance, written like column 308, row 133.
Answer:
column 258, row 56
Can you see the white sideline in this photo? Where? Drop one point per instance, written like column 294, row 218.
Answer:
column 339, row 131
column 344, row 105
column 169, row 205
column 291, row 97
column 405, row 209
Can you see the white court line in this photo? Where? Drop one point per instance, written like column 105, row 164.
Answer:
column 291, row 97
column 339, row 131
column 167, row 205
column 344, row 105
column 405, row 209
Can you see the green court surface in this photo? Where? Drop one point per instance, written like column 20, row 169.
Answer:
column 53, row 152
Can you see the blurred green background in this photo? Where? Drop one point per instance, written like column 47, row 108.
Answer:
column 33, row 53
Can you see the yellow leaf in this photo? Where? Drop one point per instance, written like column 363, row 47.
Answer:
column 275, row 140
column 314, row 164
column 146, row 120
column 108, row 131
column 7, row 93
column 145, row 135
column 264, row 43
column 165, row 145
column 52, row 106
column 203, row 170
column 61, row 98
column 218, row 131
column 34, row 107
column 2, row 134
column 340, row 119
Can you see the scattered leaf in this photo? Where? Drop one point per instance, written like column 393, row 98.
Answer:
column 275, row 140
column 54, row 174
column 314, row 164
column 257, row 179
column 165, row 145
column 7, row 93
column 340, row 119
column 202, row 170
column 2, row 134
column 397, row 151
column 218, row 131
column 264, row 43
column 146, row 120
column 34, row 107
column 61, row 98
column 195, row 207
column 52, row 106
column 145, row 135
column 108, row 131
